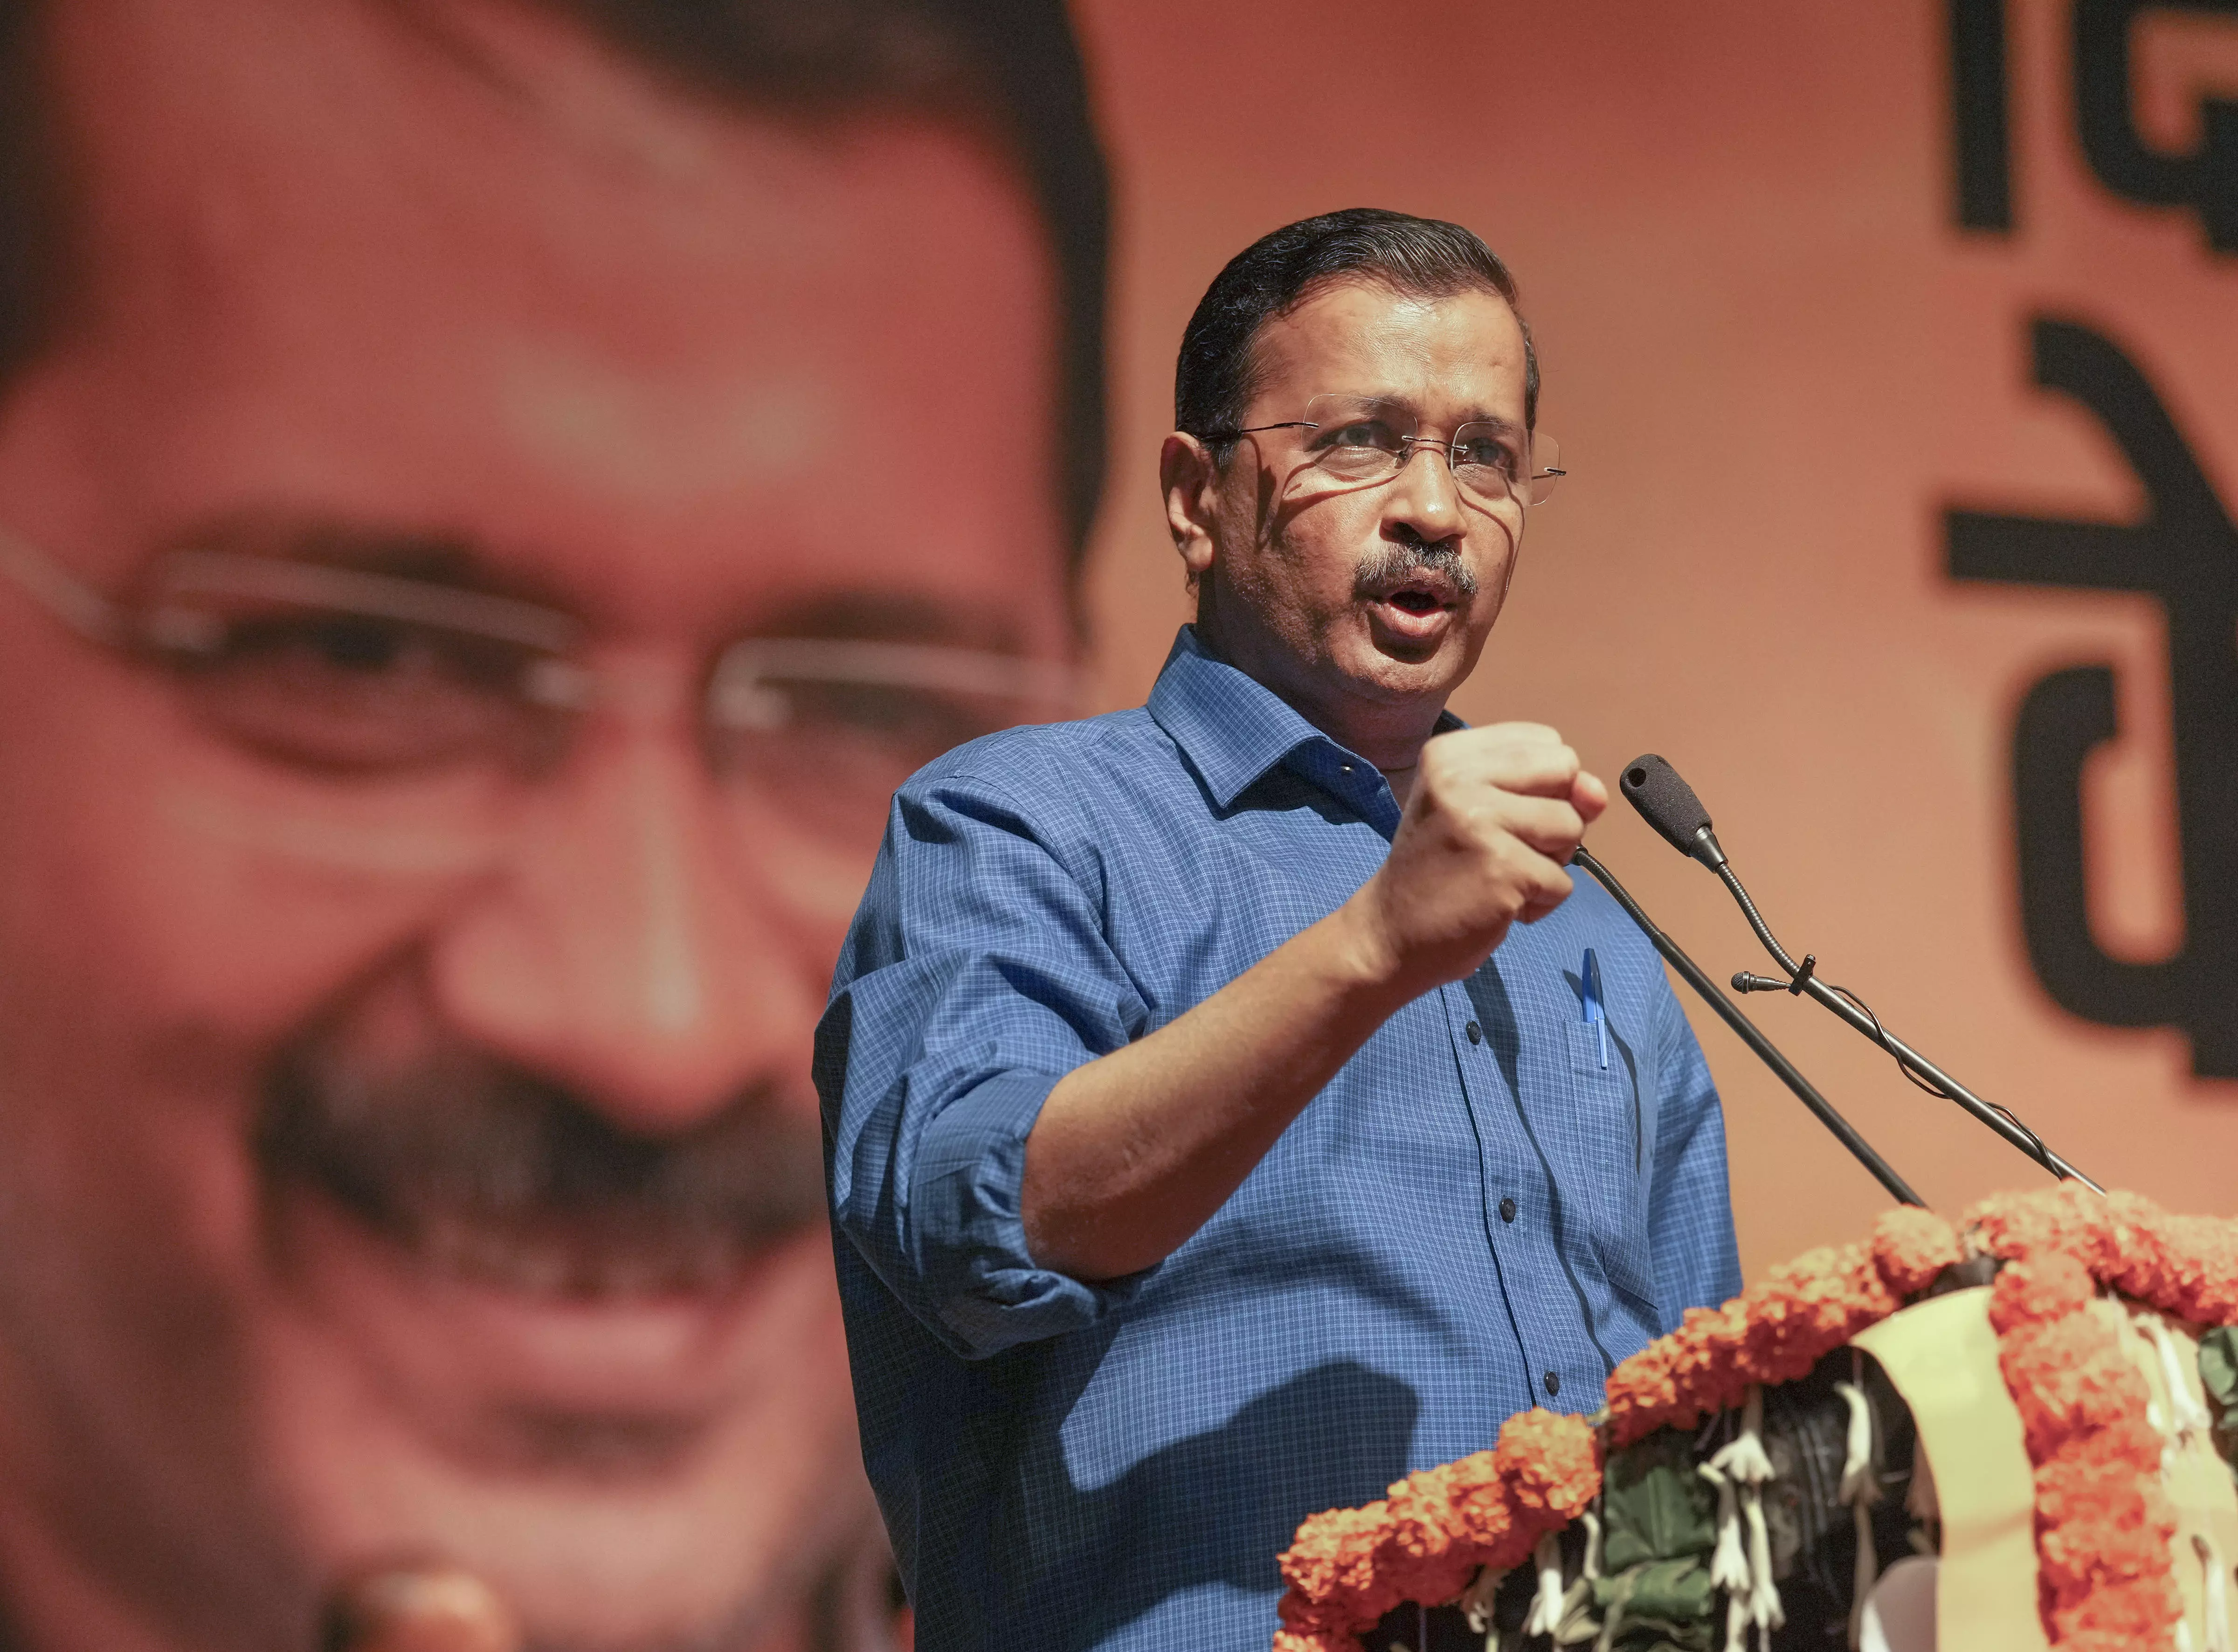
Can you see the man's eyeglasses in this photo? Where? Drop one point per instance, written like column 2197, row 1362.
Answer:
column 358, row 675
column 1358, row 440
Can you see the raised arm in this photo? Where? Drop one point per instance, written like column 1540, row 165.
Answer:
column 1134, row 1152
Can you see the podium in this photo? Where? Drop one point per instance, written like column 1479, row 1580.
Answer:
column 2014, row 1433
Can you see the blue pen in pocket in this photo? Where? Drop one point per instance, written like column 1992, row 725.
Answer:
column 1589, row 982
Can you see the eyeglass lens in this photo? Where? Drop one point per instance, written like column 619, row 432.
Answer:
column 1358, row 440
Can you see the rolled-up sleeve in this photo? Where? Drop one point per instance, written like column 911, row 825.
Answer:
column 976, row 976
column 1689, row 1211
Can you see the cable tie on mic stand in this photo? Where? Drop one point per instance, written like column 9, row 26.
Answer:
column 1803, row 975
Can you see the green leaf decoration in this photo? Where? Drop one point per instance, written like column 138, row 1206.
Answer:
column 1650, row 1634
column 2218, row 1366
column 1669, row 1593
column 1669, row 1637
column 1654, row 1506
column 2218, row 1374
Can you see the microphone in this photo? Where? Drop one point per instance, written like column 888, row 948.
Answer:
column 1765, row 1051
column 1669, row 804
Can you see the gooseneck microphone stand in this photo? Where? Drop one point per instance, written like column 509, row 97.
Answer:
column 1669, row 804
column 1692, row 973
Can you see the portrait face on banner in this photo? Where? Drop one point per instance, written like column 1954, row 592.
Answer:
column 487, row 522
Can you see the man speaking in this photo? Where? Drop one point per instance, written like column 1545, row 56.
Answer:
column 1232, row 1104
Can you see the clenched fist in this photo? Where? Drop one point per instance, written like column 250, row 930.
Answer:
column 1487, row 832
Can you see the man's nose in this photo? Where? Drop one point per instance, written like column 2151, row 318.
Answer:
column 1425, row 497
column 626, row 949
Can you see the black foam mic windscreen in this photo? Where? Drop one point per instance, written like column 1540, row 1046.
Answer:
column 1665, row 802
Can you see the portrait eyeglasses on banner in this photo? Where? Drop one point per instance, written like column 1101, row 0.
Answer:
column 358, row 681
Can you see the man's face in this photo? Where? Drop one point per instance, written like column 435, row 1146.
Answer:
column 422, row 1160
column 1364, row 605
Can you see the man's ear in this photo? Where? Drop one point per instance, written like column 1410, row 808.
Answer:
column 1188, row 477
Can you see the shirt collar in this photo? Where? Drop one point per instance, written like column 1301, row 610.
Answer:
column 1233, row 729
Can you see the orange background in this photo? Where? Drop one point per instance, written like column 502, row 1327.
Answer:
column 1773, row 360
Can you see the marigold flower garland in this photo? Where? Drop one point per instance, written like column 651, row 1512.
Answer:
column 2102, row 1521
column 2103, row 1524
column 2185, row 1266
column 1780, row 1328
column 2104, row 1577
column 1350, row 1566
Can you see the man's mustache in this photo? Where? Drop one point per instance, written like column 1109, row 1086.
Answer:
column 488, row 1168
column 1399, row 559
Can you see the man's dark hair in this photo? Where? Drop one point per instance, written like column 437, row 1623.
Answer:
column 1216, row 377
column 1008, row 68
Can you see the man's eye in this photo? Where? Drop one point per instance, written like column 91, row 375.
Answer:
column 354, row 654
column 355, row 692
column 349, row 645
column 1487, row 453
column 1365, row 433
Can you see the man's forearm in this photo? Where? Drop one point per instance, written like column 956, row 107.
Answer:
column 1134, row 1151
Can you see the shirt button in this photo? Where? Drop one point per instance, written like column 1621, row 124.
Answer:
column 1553, row 1383
column 1507, row 1210
column 1475, row 1033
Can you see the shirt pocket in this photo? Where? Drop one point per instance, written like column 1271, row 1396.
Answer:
column 1605, row 1156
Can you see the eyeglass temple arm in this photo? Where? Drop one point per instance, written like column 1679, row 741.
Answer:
column 1229, row 434
column 78, row 606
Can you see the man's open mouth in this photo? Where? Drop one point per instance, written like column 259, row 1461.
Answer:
column 1416, row 599
column 1415, row 611
column 1412, row 584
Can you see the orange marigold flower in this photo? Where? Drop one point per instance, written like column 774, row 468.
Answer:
column 1551, row 1465
column 2081, row 1488
column 2093, row 1551
column 2197, row 1268
column 1911, row 1246
column 2046, row 1286
column 1324, row 1640
column 2067, row 1381
column 2068, row 1217
column 2125, row 1615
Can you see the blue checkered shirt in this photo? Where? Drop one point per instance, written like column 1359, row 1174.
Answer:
column 1475, row 1216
